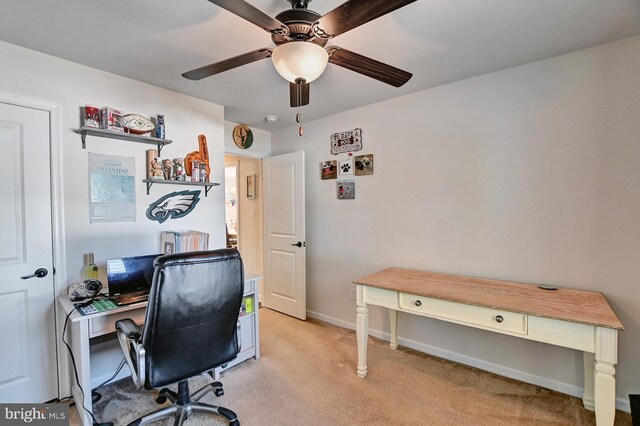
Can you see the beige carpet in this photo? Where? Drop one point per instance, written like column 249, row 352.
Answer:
column 306, row 376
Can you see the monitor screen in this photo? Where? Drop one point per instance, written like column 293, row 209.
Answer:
column 130, row 274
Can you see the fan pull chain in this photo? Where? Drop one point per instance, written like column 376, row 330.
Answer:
column 298, row 120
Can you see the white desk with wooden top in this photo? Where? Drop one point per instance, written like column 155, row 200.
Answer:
column 573, row 319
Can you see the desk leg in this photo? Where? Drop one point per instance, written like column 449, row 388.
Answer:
column 605, row 383
column 362, row 331
column 80, row 347
column 589, row 377
column 393, row 326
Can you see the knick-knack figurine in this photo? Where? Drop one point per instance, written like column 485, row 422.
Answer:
column 178, row 165
column 167, row 169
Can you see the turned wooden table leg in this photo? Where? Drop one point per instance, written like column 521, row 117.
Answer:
column 393, row 325
column 362, row 331
column 589, row 377
column 605, row 383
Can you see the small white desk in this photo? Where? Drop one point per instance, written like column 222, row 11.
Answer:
column 570, row 318
column 82, row 328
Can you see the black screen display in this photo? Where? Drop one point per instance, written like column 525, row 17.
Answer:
column 130, row 273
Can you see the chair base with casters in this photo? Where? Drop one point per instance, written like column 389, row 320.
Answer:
column 184, row 404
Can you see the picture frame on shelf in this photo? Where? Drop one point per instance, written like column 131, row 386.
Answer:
column 251, row 187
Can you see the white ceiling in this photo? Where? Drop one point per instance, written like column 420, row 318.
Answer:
column 439, row 41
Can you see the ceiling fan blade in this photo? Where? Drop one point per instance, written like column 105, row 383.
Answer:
column 299, row 94
column 227, row 64
column 354, row 13
column 251, row 14
column 367, row 66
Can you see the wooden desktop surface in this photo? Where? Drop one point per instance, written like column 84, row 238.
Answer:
column 564, row 304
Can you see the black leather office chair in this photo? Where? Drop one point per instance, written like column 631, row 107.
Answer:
column 191, row 327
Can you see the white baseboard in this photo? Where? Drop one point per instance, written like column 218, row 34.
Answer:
column 569, row 389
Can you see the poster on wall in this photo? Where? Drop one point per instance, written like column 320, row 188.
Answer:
column 112, row 192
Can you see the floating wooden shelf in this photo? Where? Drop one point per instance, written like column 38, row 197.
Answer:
column 207, row 185
column 111, row 134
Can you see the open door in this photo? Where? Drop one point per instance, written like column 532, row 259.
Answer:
column 284, row 234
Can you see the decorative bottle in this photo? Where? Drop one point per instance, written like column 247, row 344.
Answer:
column 90, row 270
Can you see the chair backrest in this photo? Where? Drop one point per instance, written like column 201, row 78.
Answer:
column 193, row 309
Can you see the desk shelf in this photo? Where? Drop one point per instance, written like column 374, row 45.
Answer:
column 207, row 185
column 112, row 134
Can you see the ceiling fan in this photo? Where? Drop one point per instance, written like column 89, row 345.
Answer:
column 300, row 36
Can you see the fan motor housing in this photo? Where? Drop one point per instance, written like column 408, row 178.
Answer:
column 299, row 22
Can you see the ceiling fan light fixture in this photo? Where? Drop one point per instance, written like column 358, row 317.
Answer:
column 300, row 60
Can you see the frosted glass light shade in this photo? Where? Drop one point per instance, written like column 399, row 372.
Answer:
column 300, row 59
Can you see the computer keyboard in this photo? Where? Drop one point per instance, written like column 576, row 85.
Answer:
column 129, row 298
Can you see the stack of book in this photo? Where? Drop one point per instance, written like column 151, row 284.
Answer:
column 180, row 242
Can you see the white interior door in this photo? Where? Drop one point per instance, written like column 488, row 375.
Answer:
column 28, row 355
column 284, row 235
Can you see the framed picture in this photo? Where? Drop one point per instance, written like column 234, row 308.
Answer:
column 364, row 165
column 346, row 167
column 251, row 187
column 346, row 189
column 328, row 169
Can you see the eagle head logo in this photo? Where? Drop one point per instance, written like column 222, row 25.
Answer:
column 173, row 206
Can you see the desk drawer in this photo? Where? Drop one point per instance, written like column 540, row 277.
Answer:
column 475, row 316
column 563, row 333
column 380, row 297
column 107, row 323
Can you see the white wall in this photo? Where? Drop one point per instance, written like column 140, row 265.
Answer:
column 529, row 174
column 34, row 75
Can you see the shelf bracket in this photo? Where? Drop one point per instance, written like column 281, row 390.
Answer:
column 160, row 146
column 206, row 190
column 83, row 136
column 149, row 186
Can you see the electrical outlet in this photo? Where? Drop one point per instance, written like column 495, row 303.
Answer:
column 353, row 292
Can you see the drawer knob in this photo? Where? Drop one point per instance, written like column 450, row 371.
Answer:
column 499, row 318
column 418, row 303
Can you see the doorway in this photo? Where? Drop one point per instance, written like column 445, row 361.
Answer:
column 231, row 203
column 243, row 206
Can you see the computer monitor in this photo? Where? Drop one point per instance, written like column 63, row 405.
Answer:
column 130, row 274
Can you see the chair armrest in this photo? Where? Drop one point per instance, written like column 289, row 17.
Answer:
column 128, row 328
column 129, row 335
column 239, row 335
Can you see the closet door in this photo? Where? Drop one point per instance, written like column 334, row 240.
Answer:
column 28, row 356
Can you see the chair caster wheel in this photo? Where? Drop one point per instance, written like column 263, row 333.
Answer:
column 161, row 399
column 218, row 392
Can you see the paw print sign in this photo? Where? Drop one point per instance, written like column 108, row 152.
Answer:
column 346, row 167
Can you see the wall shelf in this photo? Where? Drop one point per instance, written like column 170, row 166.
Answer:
column 207, row 185
column 111, row 134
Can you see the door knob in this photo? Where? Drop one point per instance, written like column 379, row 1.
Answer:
column 298, row 244
column 39, row 273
